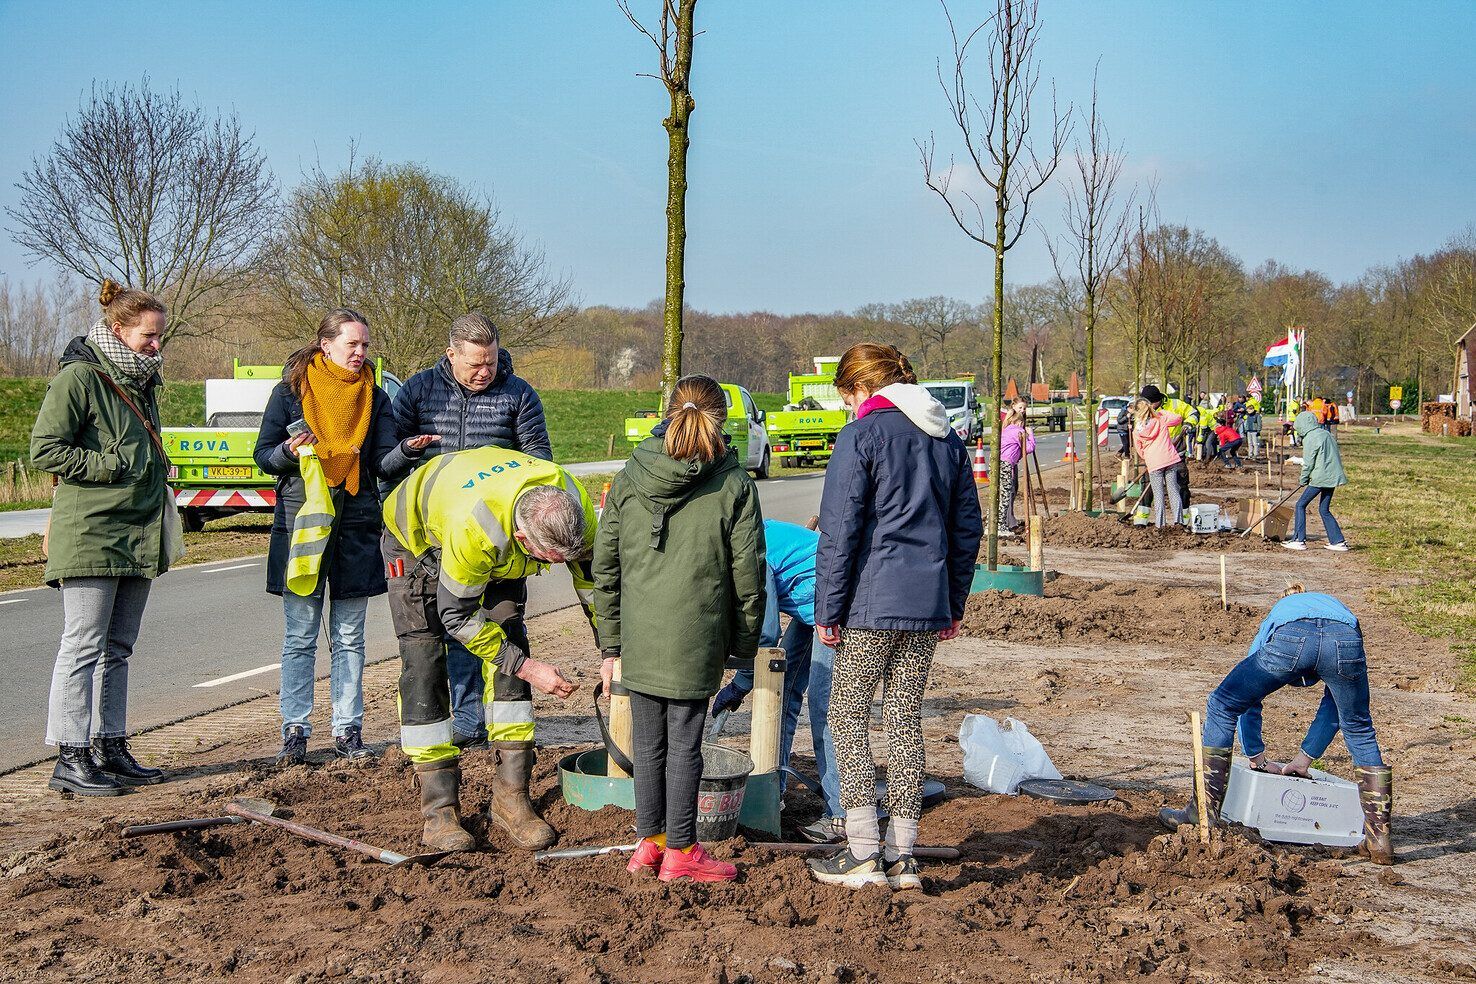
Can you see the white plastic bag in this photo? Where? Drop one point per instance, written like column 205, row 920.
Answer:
column 997, row 759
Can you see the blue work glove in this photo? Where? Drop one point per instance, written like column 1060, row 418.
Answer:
column 730, row 698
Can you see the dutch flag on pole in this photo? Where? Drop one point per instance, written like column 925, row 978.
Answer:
column 1282, row 352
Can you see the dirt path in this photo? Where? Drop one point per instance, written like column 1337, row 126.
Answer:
column 1102, row 669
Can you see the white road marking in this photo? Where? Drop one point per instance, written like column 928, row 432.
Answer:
column 11, row 601
column 222, row 570
column 239, row 676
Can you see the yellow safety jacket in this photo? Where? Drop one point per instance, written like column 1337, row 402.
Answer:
column 460, row 507
column 1175, row 405
column 311, row 527
column 1208, row 415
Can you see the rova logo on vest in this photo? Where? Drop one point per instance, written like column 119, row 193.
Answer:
column 482, row 476
column 188, row 445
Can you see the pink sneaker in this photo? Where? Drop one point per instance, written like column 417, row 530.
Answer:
column 647, row 859
column 696, row 865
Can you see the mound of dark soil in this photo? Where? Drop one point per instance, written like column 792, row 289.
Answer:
column 1042, row 892
column 1078, row 610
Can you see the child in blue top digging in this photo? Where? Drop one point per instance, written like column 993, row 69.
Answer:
column 790, row 550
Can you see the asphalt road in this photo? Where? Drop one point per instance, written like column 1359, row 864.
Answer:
column 213, row 636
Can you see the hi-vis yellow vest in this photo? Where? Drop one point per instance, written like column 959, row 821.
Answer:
column 461, row 505
column 312, row 526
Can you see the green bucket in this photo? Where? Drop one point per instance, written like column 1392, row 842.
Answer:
column 1020, row 580
column 586, row 783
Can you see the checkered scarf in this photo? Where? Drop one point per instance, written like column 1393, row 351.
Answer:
column 136, row 367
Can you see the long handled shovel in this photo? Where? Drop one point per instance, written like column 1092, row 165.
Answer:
column 263, row 806
column 323, row 837
column 1284, row 500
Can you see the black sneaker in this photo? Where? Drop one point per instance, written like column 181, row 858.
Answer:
column 844, row 869
column 294, row 747
column 902, row 874
column 826, row 830
column 470, row 743
column 350, row 745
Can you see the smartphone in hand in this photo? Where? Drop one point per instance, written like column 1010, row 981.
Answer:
column 298, row 427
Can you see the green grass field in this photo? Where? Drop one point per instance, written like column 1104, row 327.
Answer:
column 1410, row 505
column 580, row 422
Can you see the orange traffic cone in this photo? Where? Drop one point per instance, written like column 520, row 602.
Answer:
column 1070, row 454
column 981, row 466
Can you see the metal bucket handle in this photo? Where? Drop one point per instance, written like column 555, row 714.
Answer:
column 616, row 753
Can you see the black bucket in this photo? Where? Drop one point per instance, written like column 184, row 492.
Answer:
column 720, row 793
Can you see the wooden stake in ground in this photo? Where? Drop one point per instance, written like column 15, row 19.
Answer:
column 768, row 685
column 1224, row 599
column 1037, row 544
column 620, row 726
column 1199, row 794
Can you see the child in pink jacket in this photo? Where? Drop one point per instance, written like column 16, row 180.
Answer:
column 1156, row 448
column 1015, row 442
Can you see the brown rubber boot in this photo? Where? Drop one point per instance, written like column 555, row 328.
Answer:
column 1376, row 796
column 440, row 805
column 511, row 809
column 1216, row 781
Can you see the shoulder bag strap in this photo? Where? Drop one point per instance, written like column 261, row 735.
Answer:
column 142, row 417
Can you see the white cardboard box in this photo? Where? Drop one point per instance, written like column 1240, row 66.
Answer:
column 1321, row 810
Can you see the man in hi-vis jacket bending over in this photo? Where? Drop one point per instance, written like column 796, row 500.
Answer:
column 460, row 535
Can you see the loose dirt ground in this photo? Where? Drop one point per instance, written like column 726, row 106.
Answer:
column 1102, row 669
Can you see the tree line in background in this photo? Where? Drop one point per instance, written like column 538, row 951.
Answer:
column 142, row 187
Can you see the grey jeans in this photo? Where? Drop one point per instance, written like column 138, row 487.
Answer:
column 101, row 617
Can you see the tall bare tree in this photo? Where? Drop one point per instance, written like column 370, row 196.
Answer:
column 155, row 193
column 413, row 251
column 1000, row 151
column 674, row 41
column 1097, row 238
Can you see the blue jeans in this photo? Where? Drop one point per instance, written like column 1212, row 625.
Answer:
column 809, row 666
column 1324, row 507
column 467, row 687
column 300, row 651
column 1299, row 654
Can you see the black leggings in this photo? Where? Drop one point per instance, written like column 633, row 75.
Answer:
column 668, row 765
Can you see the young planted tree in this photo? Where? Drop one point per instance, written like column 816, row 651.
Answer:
column 1097, row 238
column 154, row 193
column 674, row 41
column 998, row 150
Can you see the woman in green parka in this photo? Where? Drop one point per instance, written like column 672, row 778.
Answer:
column 679, row 587
column 113, row 530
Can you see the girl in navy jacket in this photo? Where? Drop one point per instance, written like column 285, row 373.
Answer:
column 899, row 536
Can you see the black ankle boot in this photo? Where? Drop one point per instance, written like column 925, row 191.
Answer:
column 77, row 773
column 114, row 758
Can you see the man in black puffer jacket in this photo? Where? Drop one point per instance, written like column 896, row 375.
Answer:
column 470, row 399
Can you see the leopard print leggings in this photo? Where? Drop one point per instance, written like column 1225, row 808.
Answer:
column 899, row 661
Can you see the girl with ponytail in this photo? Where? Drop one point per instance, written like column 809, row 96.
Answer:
column 679, row 587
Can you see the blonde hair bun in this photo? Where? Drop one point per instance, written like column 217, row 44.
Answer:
column 109, row 291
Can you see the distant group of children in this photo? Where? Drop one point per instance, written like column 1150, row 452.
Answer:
column 1162, row 432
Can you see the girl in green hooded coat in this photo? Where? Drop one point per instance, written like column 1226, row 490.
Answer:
column 679, row 587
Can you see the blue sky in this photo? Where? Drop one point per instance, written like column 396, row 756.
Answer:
column 1326, row 135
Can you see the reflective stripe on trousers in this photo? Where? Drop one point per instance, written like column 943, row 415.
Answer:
column 423, row 743
column 311, row 527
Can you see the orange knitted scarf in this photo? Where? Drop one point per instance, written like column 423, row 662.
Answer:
column 336, row 404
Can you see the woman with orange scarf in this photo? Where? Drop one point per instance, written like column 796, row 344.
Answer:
column 328, row 435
